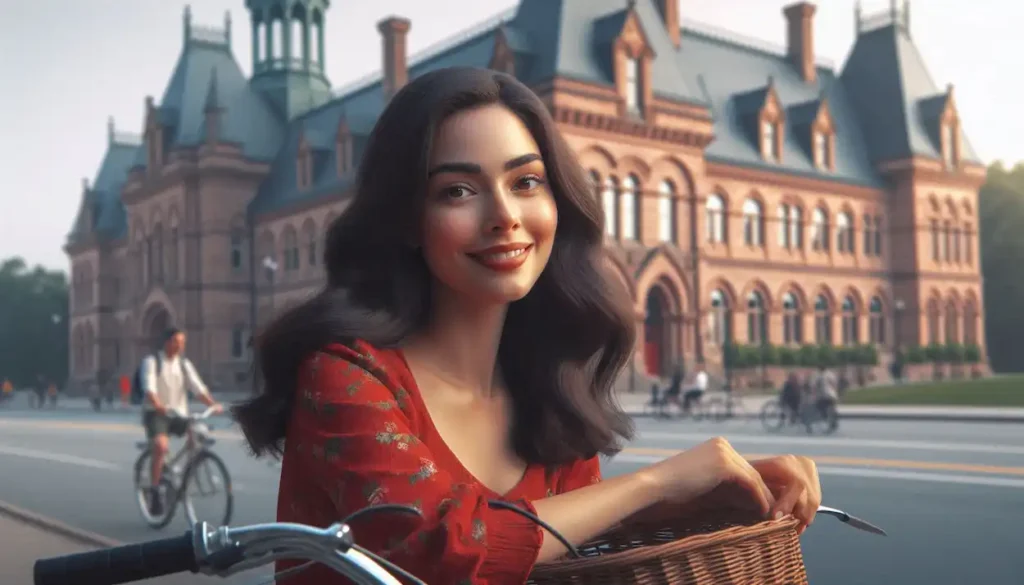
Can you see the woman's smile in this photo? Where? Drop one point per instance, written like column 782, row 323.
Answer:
column 504, row 258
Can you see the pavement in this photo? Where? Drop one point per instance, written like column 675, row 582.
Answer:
column 950, row 494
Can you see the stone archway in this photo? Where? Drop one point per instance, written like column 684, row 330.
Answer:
column 155, row 322
column 658, row 333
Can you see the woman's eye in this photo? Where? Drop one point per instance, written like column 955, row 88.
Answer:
column 456, row 192
column 529, row 183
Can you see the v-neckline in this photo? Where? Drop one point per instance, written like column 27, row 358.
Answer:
column 417, row 395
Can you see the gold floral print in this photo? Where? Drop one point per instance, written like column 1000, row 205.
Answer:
column 391, row 436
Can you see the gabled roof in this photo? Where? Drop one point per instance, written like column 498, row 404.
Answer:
column 734, row 78
column 888, row 83
column 102, row 204
column 247, row 119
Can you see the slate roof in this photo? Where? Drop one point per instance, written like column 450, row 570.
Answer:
column 101, row 210
column 883, row 101
column 889, row 85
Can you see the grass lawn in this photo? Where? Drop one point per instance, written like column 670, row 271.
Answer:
column 1000, row 391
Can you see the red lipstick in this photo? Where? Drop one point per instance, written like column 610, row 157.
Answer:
column 503, row 258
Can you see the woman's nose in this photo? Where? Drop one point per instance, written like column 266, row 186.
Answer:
column 504, row 212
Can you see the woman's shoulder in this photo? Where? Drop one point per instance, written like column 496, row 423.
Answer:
column 358, row 359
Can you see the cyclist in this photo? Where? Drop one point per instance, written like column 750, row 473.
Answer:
column 165, row 375
column 825, row 394
column 697, row 390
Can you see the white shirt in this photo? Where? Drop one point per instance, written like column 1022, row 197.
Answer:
column 700, row 381
column 169, row 387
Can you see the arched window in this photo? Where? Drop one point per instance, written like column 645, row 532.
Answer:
column 946, row 228
column 172, row 259
column 784, row 233
column 796, row 226
column 851, row 318
column 753, row 223
column 822, row 320
column 309, row 233
column 666, row 211
column 877, row 325
column 792, row 319
column 630, row 200
column 952, row 323
column 237, row 249
column 844, row 233
column 936, row 245
column 933, row 321
column 720, row 325
column 608, row 197
column 291, row 250
column 595, row 182
column 757, row 319
column 970, row 323
column 819, row 230
column 715, row 219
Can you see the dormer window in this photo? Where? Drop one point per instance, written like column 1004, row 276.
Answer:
column 949, row 154
column 304, row 165
column 633, row 86
column 820, row 149
column 770, row 140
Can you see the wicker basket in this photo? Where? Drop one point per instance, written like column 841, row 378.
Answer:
column 694, row 551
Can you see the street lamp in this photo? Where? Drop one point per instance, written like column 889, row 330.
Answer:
column 899, row 306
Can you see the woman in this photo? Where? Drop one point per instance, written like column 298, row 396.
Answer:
column 464, row 350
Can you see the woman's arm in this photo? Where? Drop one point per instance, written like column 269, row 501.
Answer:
column 586, row 512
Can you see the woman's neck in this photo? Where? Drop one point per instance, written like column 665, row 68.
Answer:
column 460, row 343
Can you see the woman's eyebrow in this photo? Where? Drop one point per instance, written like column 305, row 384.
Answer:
column 475, row 169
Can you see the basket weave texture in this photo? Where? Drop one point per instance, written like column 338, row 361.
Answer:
column 717, row 550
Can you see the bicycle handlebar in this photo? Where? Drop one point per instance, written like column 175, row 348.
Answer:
column 222, row 552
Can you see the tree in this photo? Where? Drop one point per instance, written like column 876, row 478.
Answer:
column 1001, row 218
column 33, row 323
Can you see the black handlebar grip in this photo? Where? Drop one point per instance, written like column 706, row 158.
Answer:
column 123, row 564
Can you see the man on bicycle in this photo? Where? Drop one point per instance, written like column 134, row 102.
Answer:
column 165, row 376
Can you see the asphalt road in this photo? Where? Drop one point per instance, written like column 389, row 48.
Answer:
column 951, row 495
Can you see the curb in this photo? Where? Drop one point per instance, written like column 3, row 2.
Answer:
column 924, row 417
column 57, row 527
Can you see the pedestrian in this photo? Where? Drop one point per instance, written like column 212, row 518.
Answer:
column 461, row 353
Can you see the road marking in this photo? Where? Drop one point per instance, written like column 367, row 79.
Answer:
column 841, row 442
column 60, row 458
column 979, row 480
column 99, row 427
column 659, row 454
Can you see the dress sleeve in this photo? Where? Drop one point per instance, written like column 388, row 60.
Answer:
column 580, row 474
column 352, row 436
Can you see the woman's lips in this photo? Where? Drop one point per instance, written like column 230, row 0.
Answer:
column 503, row 260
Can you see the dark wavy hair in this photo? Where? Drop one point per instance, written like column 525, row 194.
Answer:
column 563, row 345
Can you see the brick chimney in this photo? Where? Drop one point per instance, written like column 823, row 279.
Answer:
column 669, row 10
column 800, row 38
column 393, row 31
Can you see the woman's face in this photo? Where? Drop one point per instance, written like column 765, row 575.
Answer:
column 489, row 215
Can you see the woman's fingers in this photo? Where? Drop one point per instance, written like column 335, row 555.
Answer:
column 752, row 481
column 788, row 502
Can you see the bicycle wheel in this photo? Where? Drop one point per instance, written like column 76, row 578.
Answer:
column 207, row 477
column 143, row 485
column 773, row 416
column 716, row 409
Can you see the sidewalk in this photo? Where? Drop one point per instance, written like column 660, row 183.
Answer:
column 28, row 537
column 633, row 403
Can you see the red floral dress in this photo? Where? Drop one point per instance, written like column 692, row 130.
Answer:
column 360, row 435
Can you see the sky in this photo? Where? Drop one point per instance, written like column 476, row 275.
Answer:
column 68, row 65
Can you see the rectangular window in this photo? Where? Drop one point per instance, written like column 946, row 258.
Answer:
column 633, row 85
column 820, row 150
column 768, row 141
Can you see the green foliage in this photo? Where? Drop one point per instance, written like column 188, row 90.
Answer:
column 1001, row 219
column 33, row 323
column 916, row 355
column 972, row 353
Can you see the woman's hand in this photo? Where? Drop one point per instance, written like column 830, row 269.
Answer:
column 794, row 484
column 712, row 467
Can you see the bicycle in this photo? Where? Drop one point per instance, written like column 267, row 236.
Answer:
column 724, row 406
column 190, row 467
column 774, row 415
column 225, row 551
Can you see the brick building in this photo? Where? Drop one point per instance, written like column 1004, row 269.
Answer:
column 753, row 194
